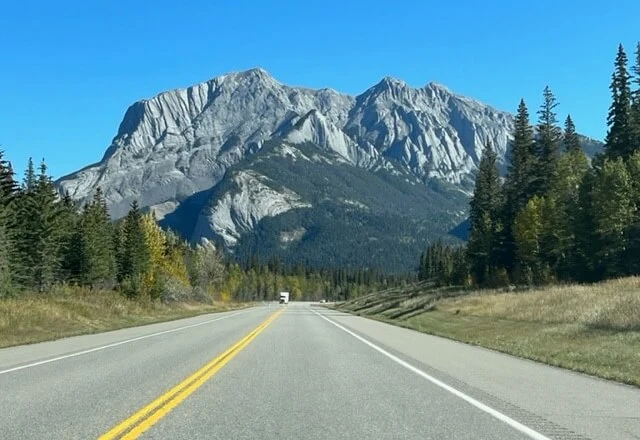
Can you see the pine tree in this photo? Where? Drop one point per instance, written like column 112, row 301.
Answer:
column 8, row 189
column 135, row 254
column 635, row 102
column 613, row 212
column 97, row 254
column 485, row 218
column 570, row 139
column 618, row 142
column 38, row 241
column 548, row 142
column 8, row 186
column 520, row 183
column 560, row 212
column 68, row 220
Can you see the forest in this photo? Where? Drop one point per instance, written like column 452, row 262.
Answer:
column 555, row 216
column 46, row 241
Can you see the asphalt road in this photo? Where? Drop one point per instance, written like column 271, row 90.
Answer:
column 296, row 372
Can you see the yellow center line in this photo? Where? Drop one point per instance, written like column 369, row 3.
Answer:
column 148, row 415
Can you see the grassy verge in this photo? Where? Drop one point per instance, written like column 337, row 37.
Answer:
column 69, row 312
column 593, row 329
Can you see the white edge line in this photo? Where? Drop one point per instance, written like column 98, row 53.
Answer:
column 497, row 414
column 115, row 344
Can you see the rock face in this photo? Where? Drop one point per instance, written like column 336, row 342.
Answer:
column 173, row 152
column 240, row 211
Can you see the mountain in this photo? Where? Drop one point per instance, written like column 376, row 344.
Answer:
column 265, row 168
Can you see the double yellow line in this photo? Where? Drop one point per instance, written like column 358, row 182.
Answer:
column 149, row 415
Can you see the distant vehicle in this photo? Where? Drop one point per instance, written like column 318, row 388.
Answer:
column 322, row 301
column 284, row 297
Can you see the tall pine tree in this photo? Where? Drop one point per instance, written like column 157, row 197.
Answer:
column 548, row 142
column 135, row 254
column 8, row 189
column 485, row 218
column 570, row 140
column 97, row 255
column 618, row 142
column 613, row 211
column 520, row 183
column 635, row 101
column 38, row 239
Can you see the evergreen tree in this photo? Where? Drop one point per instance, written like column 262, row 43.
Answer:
column 8, row 190
column 613, row 212
column 485, row 218
column 135, row 254
column 97, row 254
column 585, row 267
column 548, row 142
column 570, row 139
column 618, row 142
column 69, row 251
column 8, row 186
column 520, row 183
column 6, row 278
column 635, row 102
column 29, row 181
column 38, row 239
column 560, row 213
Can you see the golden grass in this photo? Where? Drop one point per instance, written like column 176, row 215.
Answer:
column 594, row 329
column 74, row 311
column 611, row 305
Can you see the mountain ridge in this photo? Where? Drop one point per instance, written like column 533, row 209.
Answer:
column 173, row 151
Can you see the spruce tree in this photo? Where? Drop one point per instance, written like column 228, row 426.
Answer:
column 135, row 254
column 38, row 241
column 67, row 230
column 570, row 140
column 613, row 211
column 520, row 183
column 618, row 142
column 548, row 142
column 29, row 181
column 560, row 211
column 585, row 265
column 8, row 189
column 485, row 218
column 98, row 263
column 8, row 186
column 635, row 101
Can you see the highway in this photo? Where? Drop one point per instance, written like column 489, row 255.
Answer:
column 297, row 371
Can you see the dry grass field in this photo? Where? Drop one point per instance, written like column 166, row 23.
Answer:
column 593, row 329
column 73, row 311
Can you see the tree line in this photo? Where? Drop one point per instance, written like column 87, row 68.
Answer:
column 555, row 216
column 46, row 239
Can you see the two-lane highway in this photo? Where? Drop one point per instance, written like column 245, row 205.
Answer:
column 295, row 372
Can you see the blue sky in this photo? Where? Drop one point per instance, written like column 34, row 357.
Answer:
column 70, row 69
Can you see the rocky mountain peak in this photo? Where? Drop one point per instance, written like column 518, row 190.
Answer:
column 173, row 151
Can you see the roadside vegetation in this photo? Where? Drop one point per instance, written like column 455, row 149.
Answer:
column 555, row 217
column 67, row 269
column 593, row 329
column 550, row 268
column 71, row 311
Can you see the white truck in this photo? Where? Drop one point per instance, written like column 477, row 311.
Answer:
column 284, row 297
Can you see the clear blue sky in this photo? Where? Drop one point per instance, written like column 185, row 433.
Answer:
column 70, row 69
